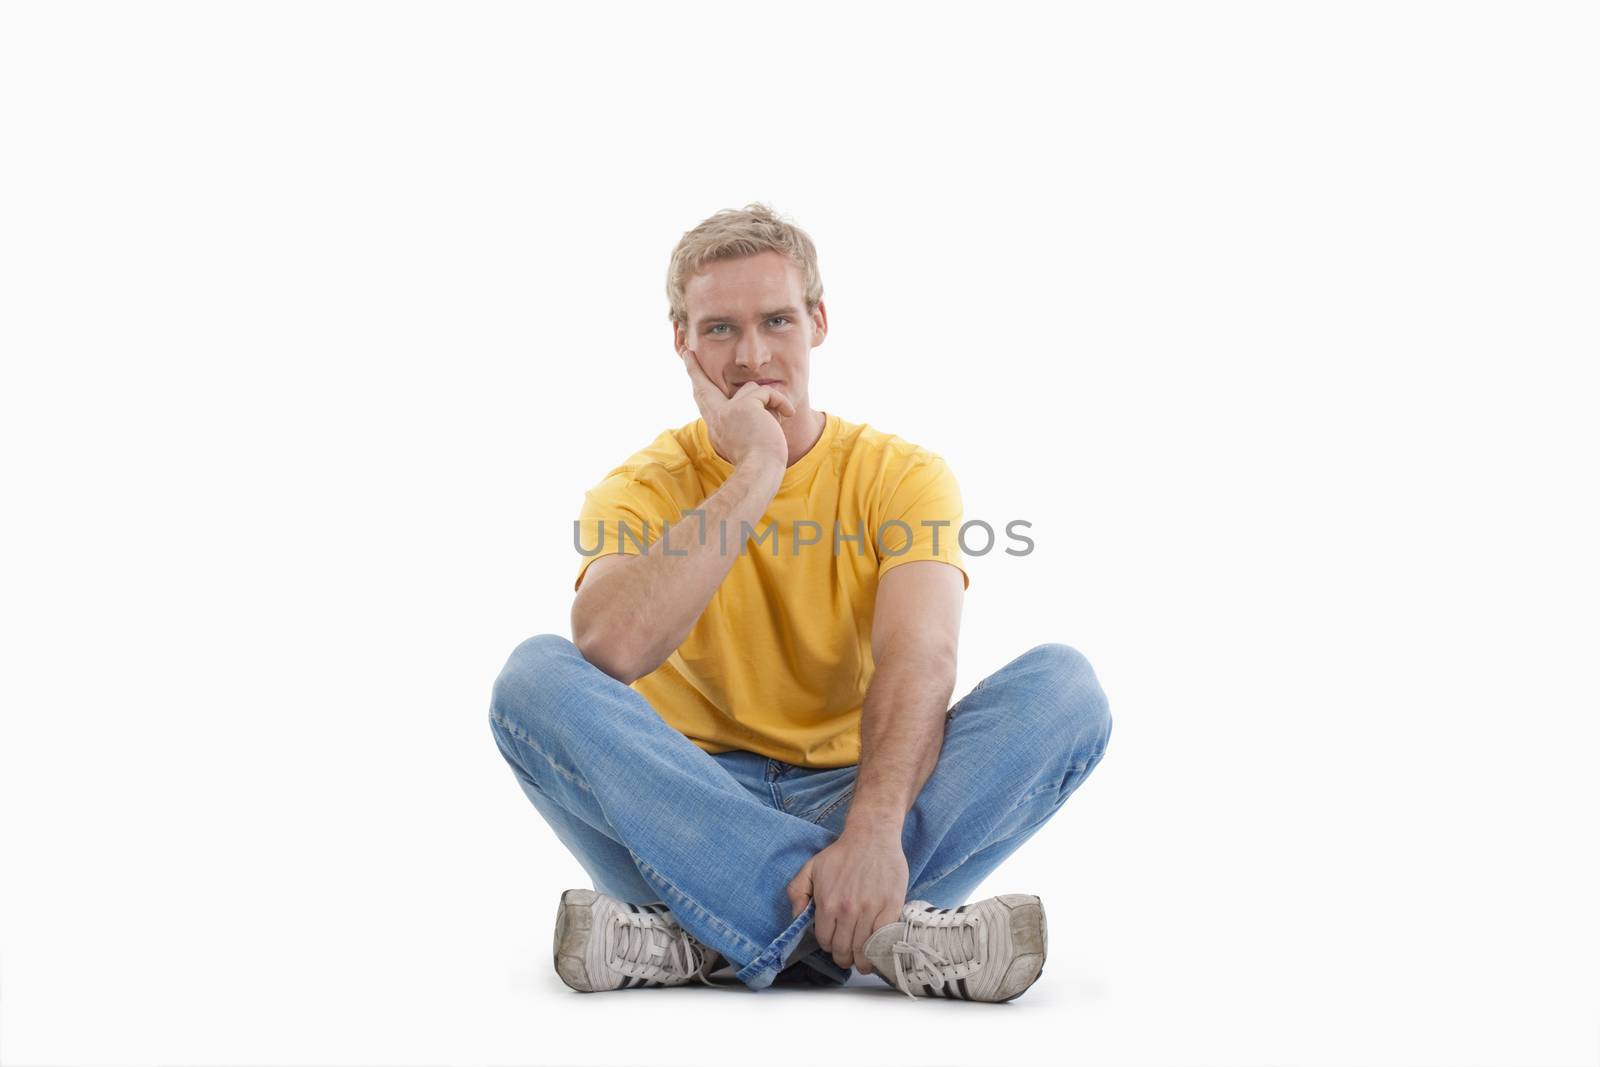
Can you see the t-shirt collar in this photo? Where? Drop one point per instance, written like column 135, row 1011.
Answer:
column 798, row 471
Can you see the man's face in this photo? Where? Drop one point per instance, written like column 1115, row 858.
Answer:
column 748, row 322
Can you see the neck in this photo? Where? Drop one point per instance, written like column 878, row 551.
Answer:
column 804, row 430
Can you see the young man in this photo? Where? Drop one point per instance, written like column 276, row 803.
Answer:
column 748, row 741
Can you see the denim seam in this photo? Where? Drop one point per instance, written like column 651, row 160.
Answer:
column 849, row 791
column 772, row 958
column 1046, row 791
column 1055, row 787
column 1041, row 792
column 694, row 905
column 518, row 735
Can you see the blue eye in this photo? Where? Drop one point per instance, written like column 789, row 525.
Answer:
column 776, row 318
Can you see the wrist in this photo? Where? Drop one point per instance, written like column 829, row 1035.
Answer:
column 875, row 821
column 764, row 468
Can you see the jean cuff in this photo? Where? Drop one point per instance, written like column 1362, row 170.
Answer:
column 796, row 942
column 818, row 959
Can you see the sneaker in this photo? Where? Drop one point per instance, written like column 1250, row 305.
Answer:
column 605, row 943
column 991, row 950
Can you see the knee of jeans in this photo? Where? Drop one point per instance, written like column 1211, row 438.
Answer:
column 1076, row 712
column 529, row 683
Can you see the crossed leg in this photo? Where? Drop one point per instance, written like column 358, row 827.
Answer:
column 602, row 767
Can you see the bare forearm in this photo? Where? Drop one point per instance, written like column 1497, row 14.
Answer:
column 902, row 731
column 629, row 620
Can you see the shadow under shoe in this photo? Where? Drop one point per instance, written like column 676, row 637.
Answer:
column 803, row 974
column 989, row 951
column 603, row 943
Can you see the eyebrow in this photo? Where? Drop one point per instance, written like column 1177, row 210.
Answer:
column 789, row 311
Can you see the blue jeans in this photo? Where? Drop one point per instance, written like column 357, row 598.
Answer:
column 717, row 838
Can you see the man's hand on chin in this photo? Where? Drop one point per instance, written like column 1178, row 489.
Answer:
column 859, row 884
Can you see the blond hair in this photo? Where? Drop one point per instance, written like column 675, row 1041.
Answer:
column 732, row 234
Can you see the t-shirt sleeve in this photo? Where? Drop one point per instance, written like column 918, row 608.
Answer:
column 927, row 501
column 623, row 514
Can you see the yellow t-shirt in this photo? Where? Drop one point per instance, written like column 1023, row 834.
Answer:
column 779, row 661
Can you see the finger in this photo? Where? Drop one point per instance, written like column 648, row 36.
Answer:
column 874, row 924
column 777, row 403
column 870, row 922
column 826, row 923
column 704, row 387
column 691, row 367
column 797, row 901
column 844, row 937
column 858, row 943
column 769, row 397
column 800, row 889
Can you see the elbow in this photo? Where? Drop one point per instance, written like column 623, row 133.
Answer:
column 603, row 652
column 607, row 657
column 615, row 653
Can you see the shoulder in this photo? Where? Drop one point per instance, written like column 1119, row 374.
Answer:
column 893, row 476
column 883, row 452
column 663, row 459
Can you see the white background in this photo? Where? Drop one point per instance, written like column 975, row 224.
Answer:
column 1277, row 321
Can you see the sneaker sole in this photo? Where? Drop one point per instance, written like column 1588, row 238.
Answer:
column 572, row 939
column 1029, row 941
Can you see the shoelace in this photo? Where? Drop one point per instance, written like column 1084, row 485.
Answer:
column 942, row 945
column 667, row 953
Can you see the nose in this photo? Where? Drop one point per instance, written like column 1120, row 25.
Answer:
column 752, row 355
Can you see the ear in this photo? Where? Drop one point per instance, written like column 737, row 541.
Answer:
column 819, row 324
